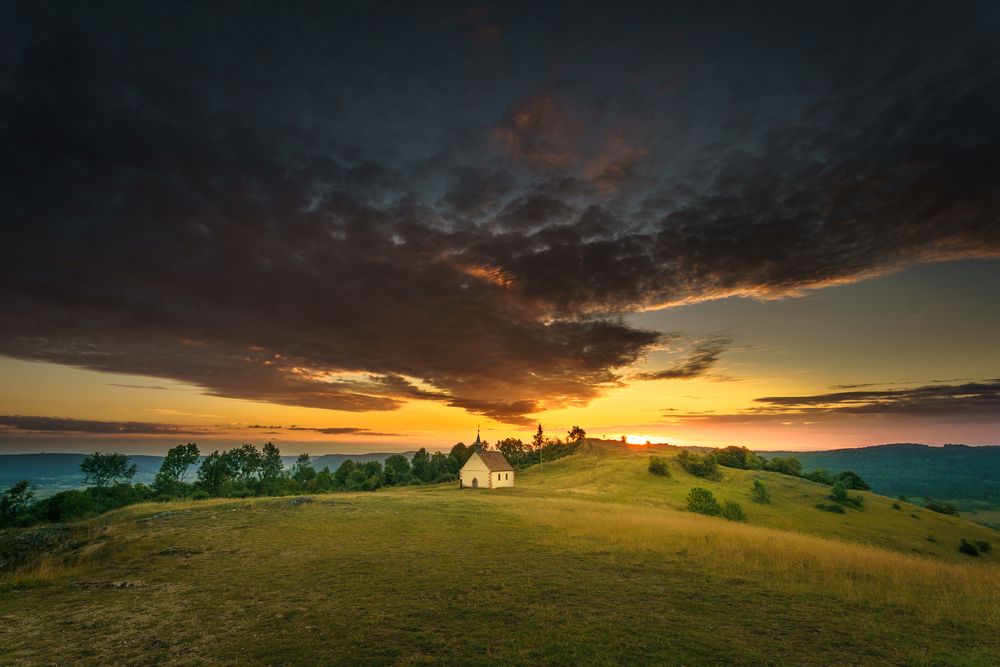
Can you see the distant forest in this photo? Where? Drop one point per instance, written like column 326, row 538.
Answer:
column 951, row 472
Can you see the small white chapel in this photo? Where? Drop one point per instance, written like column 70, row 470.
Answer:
column 485, row 469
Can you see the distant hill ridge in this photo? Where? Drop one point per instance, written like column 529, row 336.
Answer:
column 950, row 471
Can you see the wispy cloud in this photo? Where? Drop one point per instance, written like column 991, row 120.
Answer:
column 975, row 401
column 39, row 424
column 702, row 358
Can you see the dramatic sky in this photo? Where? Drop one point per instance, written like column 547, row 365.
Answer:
column 369, row 225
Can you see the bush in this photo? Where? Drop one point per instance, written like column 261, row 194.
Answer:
column 836, row 509
column 14, row 504
column 738, row 457
column 968, row 549
column 839, row 493
column 703, row 501
column 852, row 480
column 820, row 476
column 658, row 466
column 984, row 546
column 896, row 506
column 759, row 492
column 940, row 507
column 733, row 511
column 786, row 465
column 65, row 506
column 699, row 465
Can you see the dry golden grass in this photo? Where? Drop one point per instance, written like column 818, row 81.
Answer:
column 785, row 561
column 588, row 563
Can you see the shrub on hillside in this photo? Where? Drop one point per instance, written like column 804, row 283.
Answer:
column 65, row 506
column 703, row 501
column 658, row 466
column 820, row 476
column 786, row 465
column 759, row 492
column 738, row 457
column 733, row 511
column 968, row 548
column 984, row 546
column 699, row 465
column 839, row 494
column 940, row 507
column 831, row 507
column 852, row 480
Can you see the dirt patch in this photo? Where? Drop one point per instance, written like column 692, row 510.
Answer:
column 301, row 500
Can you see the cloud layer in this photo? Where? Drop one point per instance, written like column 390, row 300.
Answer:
column 37, row 424
column 969, row 401
column 314, row 217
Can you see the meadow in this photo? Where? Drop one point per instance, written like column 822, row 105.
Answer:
column 588, row 560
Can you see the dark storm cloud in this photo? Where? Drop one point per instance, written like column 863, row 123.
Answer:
column 975, row 401
column 477, row 191
column 66, row 425
column 703, row 357
column 365, row 206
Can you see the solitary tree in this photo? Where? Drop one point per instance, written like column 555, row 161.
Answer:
column 174, row 467
column 538, row 442
column 759, row 492
column 102, row 470
column 271, row 467
column 703, row 501
column 215, row 470
column 576, row 434
column 244, row 462
column 302, row 470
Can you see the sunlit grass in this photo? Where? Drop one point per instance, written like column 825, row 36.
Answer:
column 589, row 561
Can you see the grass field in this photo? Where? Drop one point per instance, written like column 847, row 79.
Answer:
column 588, row 561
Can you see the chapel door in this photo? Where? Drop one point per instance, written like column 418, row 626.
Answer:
column 475, row 482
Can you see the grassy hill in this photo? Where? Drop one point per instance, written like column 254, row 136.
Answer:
column 589, row 560
column 968, row 476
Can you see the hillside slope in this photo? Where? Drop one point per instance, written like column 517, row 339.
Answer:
column 609, row 472
column 952, row 471
column 586, row 561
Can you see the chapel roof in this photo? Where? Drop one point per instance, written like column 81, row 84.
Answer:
column 495, row 461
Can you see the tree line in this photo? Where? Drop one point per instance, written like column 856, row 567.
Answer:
column 247, row 471
column 706, row 465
